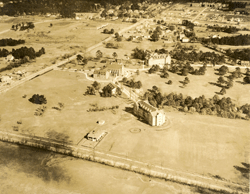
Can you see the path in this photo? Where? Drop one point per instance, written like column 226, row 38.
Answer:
column 198, row 15
column 50, row 68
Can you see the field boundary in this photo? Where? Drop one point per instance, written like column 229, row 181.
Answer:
column 125, row 163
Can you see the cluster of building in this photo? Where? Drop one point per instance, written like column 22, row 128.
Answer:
column 12, row 76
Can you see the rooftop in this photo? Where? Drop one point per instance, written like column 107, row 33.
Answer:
column 144, row 105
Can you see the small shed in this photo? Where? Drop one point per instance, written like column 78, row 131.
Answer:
column 95, row 135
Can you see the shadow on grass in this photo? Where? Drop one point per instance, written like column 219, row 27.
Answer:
column 245, row 170
column 241, row 82
column 216, row 84
column 130, row 110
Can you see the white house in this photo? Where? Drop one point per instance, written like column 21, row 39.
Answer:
column 6, row 79
column 9, row 58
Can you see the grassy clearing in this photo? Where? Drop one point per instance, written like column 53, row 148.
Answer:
column 198, row 86
column 57, row 86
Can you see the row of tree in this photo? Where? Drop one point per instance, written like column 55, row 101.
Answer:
column 223, row 107
column 22, row 52
column 243, row 54
column 229, row 40
column 11, row 42
column 181, row 55
column 227, row 29
column 131, row 83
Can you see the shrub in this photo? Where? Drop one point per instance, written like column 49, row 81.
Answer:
column 38, row 99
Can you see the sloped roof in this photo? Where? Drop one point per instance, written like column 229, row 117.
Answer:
column 144, row 105
column 111, row 86
column 101, row 72
column 114, row 66
column 96, row 133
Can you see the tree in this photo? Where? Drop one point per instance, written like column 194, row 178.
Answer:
column 115, row 55
column 98, row 54
column 229, row 84
column 184, row 71
column 79, row 58
column 155, row 36
column 247, row 79
column 90, row 90
column 118, row 91
column 112, row 31
column 124, row 80
column 221, row 80
column 38, row 99
column 96, row 85
column 137, row 72
column 186, row 80
column 119, row 39
column 166, row 75
column 117, row 35
column 170, row 82
column 223, row 91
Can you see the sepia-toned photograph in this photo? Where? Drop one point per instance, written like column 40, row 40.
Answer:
column 124, row 96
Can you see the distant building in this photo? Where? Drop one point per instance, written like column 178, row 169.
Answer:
column 185, row 39
column 244, row 63
column 6, row 79
column 96, row 135
column 9, row 58
column 112, row 87
column 113, row 69
column 159, row 59
column 150, row 114
column 101, row 74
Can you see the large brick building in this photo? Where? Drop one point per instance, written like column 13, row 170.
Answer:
column 150, row 114
column 159, row 59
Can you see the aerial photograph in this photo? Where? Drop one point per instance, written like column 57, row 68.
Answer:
column 124, row 96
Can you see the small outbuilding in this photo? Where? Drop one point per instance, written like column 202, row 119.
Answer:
column 96, row 135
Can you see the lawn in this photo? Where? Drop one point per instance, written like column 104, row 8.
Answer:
column 56, row 86
column 194, row 143
column 66, row 36
column 198, row 86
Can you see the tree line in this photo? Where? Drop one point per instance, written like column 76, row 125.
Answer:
column 64, row 7
column 229, row 40
column 227, row 29
column 23, row 55
column 223, row 107
column 243, row 54
column 11, row 42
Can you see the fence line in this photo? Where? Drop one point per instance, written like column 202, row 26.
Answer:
column 122, row 162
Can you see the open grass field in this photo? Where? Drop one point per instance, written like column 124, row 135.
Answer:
column 190, row 144
column 63, row 87
column 185, row 143
column 65, row 36
column 36, row 171
column 198, row 86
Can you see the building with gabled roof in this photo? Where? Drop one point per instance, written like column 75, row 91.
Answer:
column 112, row 87
column 150, row 114
column 158, row 59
